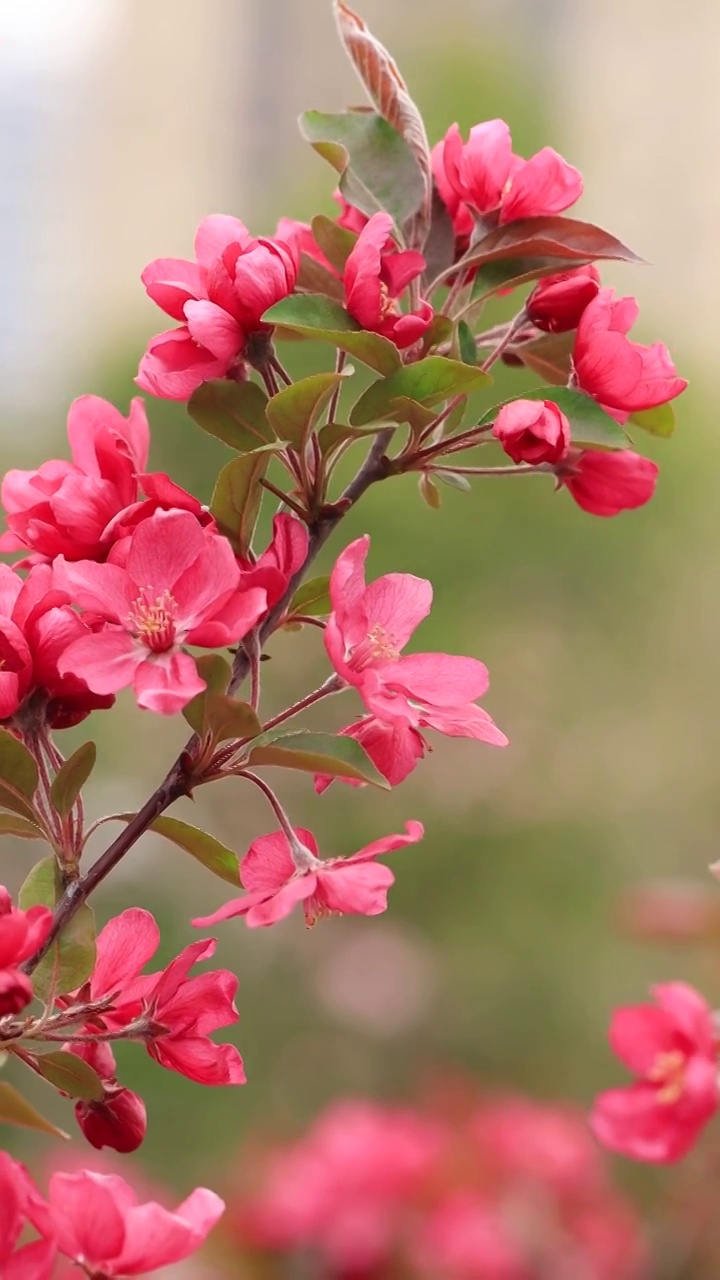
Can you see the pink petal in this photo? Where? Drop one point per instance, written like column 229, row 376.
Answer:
column 124, row 947
column 639, row 1034
column 633, row 1122
column 171, row 282
column 35, row 1261
column 268, row 864
column 233, row 621
column 397, row 603
column 414, row 831
column 199, row 1059
column 464, row 722
column 163, row 548
column 215, row 330
column 205, row 584
column 215, row 234
column 235, row 907
column 280, row 905
column 174, row 365
column 100, row 588
column 355, row 890
column 690, row 1013
column 89, row 1220
column 442, row 679
column 156, row 1237
column 105, row 660
column 167, row 683
column 399, row 269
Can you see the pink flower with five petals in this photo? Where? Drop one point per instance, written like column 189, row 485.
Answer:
column 178, row 584
column 365, row 635
column 277, row 882
column 375, row 279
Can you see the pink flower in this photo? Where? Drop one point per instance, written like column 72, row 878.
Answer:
column 179, row 584
column 119, row 1120
column 284, row 557
column 364, row 636
column 533, row 431
column 96, row 1221
column 37, row 625
column 219, row 300
column 299, row 236
column 462, row 219
column 466, row 1238
column 350, row 218
column 34, row 1261
column 374, row 280
column 22, row 933
column 336, row 886
column 486, row 174
column 557, row 302
column 172, row 1014
column 606, row 483
column 65, row 508
column 619, row 373
column 672, row 1048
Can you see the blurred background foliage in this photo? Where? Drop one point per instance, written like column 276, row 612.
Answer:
column 500, row 953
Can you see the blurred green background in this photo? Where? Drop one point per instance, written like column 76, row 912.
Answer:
column 500, row 952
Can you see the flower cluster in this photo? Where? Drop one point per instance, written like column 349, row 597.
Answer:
column 499, row 1188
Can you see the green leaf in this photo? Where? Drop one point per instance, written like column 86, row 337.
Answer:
column 312, row 598
column 313, row 277
column 295, row 411
column 340, row 757
column 216, row 672
column 15, row 803
column 14, row 1109
column 429, row 492
column 71, row 779
column 659, row 421
column 71, row 1074
column 439, row 248
column 71, row 959
column 549, row 356
column 590, row 425
column 315, row 316
column 427, row 383
column 237, row 496
column 335, row 434
column 467, row 344
column 376, row 166
column 516, row 271
column 556, row 240
column 17, row 767
column 13, row 825
column 441, row 330
column 201, row 845
column 226, row 718
column 233, row 412
column 336, row 242
column 454, row 481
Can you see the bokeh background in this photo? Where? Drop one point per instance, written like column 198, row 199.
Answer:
column 121, row 125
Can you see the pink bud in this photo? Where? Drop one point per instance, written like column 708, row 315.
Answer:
column 119, row 1121
column 557, row 302
column 533, row 431
column 15, row 991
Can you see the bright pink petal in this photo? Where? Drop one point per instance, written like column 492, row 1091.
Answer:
column 103, row 589
column 174, row 365
column 639, row 1034
column 633, row 1122
column 464, row 722
column 106, row 660
column 163, row 548
column 545, row 184
column 167, row 683
column 690, row 1013
column 124, row 947
column 355, row 889
column 36, row 1261
column 235, row 907
column 442, row 679
column 156, row 1237
column 414, row 831
column 171, row 282
column 89, row 1220
column 397, row 603
column 215, row 330
column 199, row 1059
column 215, row 234
column 280, row 905
column 268, row 862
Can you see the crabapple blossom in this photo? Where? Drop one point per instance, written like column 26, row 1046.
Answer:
column 96, row 1221
column 22, row 933
column 533, row 431
column 621, row 374
column 364, row 637
column 280, row 561
column 219, row 300
column 557, row 302
column 375, row 279
column 67, row 508
column 604, row 483
column 277, row 878
column 179, row 585
column 486, row 174
column 672, row 1047
column 34, row 1261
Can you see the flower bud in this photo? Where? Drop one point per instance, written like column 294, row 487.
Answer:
column 533, row 431
column 557, row 302
column 15, row 991
column 119, row 1121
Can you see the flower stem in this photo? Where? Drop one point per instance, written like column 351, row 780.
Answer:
column 301, row 856
column 511, row 332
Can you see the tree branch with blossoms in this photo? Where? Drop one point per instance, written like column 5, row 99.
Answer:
column 120, row 576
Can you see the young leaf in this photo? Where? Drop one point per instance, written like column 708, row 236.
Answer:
column 71, row 1074
column 439, row 247
column 659, row 421
column 516, row 271
column 549, row 356
column 312, row 599
column 467, row 344
column 315, row 316
column 226, row 718
column 454, row 481
column 340, row 757
column 388, row 92
column 295, row 411
column 17, row 767
column 233, row 412
column 237, row 496
column 13, row 801
column 313, row 277
column 429, row 492
column 590, row 425
column 336, row 242
column 71, row 779
column 71, row 959
column 427, row 383
column 14, row 1109
column 560, row 240
column 377, row 168
column 216, row 672
column 200, row 845
column 13, row 825
column 335, row 434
